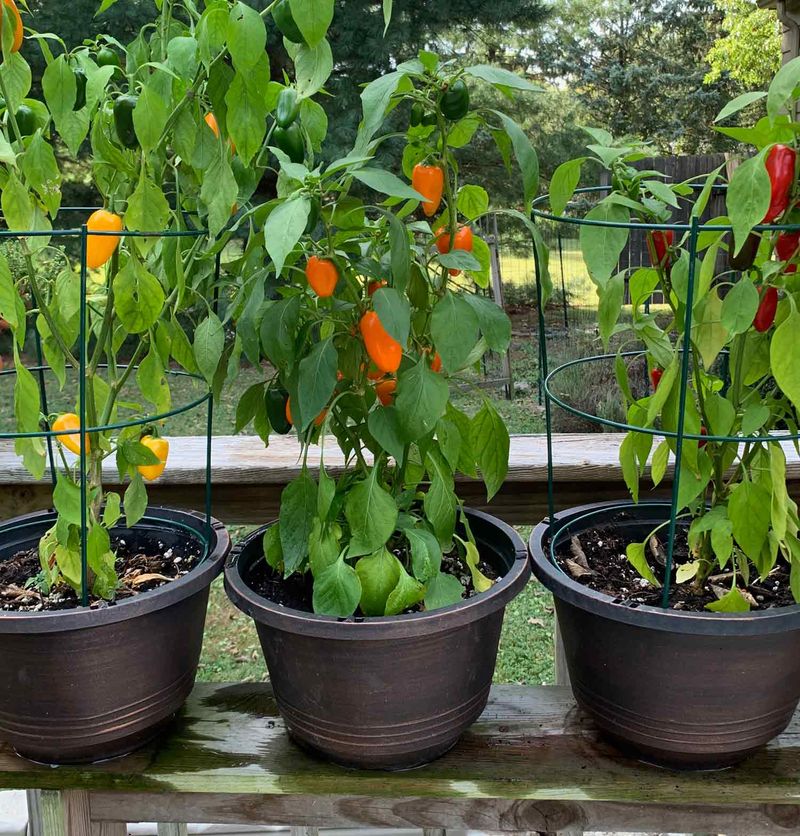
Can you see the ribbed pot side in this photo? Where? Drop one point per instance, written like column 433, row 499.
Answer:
column 85, row 685
column 681, row 689
column 384, row 693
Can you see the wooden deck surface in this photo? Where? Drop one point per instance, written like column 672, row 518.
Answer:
column 248, row 478
column 533, row 762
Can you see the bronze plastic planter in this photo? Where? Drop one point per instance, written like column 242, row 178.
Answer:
column 384, row 693
column 688, row 690
column 85, row 685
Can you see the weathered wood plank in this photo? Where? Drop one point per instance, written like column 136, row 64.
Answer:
column 487, row 815
column 77, row 816
column 248, row 479
column 532, row 744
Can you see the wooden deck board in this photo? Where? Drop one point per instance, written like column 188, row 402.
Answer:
column 532, row 744
column 248, row 478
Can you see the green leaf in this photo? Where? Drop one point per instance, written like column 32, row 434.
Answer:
column 387, row 183
column 148, row 210
column 135, row 500
column 313, row 67
column 278, row 328
column 152, row 382
column 247, row 37
column 473, row 559
column 441, row 506
column 67, row 499
column 316, row 382
column 732, row 601
column 748, row 197
column 754, row 418
column 385, row 427
column 601, row 245
column 739, row 103
column 283, row 229
column 708, row 333
column 400, row 252
column 247, row 114
column 491, row 443
column 219, row 190
column 494, row 324
column 526, row 156
column 780, row 496
column 422, row 397
column 112, row 511
column 749, row 512
column 372, row 514
column 739, row 306
column 407, row 594
column 273, row 551
column 455, row 330
column 612, row 295
column 783, row 357
column 473, row 201
column 658, row 464
column 459, row 260
column 209, row 342
column 387, row 15
column 379, row 574
column 323, row 546
column 325, row 494
column 630, row 469
column 297, row 514
column 138, row 297
column 426, row 554
column 337, row 590
column 721, row 414
column 501, row 78
column 782, row 88
column 563, row 184
column 635, row 553
column 150, row 115
column 443, row 591
column 661, row 191
column 375, row 99
column 313, row 17
column 394, row 312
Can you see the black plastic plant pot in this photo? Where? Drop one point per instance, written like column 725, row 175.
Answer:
column 384, row 693
column 84, row 685
column 688, row 690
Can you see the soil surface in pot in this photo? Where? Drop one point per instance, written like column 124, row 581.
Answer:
column 138, row 572
column 296, row 592
column 596, row 558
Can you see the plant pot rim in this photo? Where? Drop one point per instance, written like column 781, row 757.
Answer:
column 362, row 628
column 761, row 622
column 200, row 576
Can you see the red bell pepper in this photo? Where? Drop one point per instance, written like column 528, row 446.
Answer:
column 786, row 248
column 765, row 315
column 655, row 377
column 662, row 239
column 780, row 165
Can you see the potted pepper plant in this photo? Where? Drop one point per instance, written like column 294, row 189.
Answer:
column 377, row 596
column 103, row 600
column 681, row 620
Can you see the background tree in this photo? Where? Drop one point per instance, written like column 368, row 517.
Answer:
column 750, row 49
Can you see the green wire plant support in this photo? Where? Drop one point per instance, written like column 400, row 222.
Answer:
column 82, row 235
column 691, row 233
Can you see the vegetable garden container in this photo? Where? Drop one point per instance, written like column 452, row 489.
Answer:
column 691, row 690
column 84, row 685
column 384, row 693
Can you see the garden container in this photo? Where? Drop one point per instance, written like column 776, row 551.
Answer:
column 691, row 690
column 83, row 685
column 384, row 693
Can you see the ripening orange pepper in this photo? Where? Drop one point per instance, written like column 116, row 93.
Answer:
column 212, row 123
column 160, row 446
column 464, row 240
column 70, row 421
column 428, row 180
column 383, row 349
column 322, row 275
column 317, row 421
column 436, row 359
column 385, row 391
column 100, row 248
column 18, row 28
column 375, row 286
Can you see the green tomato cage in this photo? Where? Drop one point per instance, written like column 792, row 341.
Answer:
column 558, row 533
column 82, row 235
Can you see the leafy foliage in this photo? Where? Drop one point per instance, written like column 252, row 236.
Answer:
column 740, row 354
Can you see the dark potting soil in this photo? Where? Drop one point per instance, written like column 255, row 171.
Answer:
column 138, row 573
column 296, row 592
column 597, row 559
